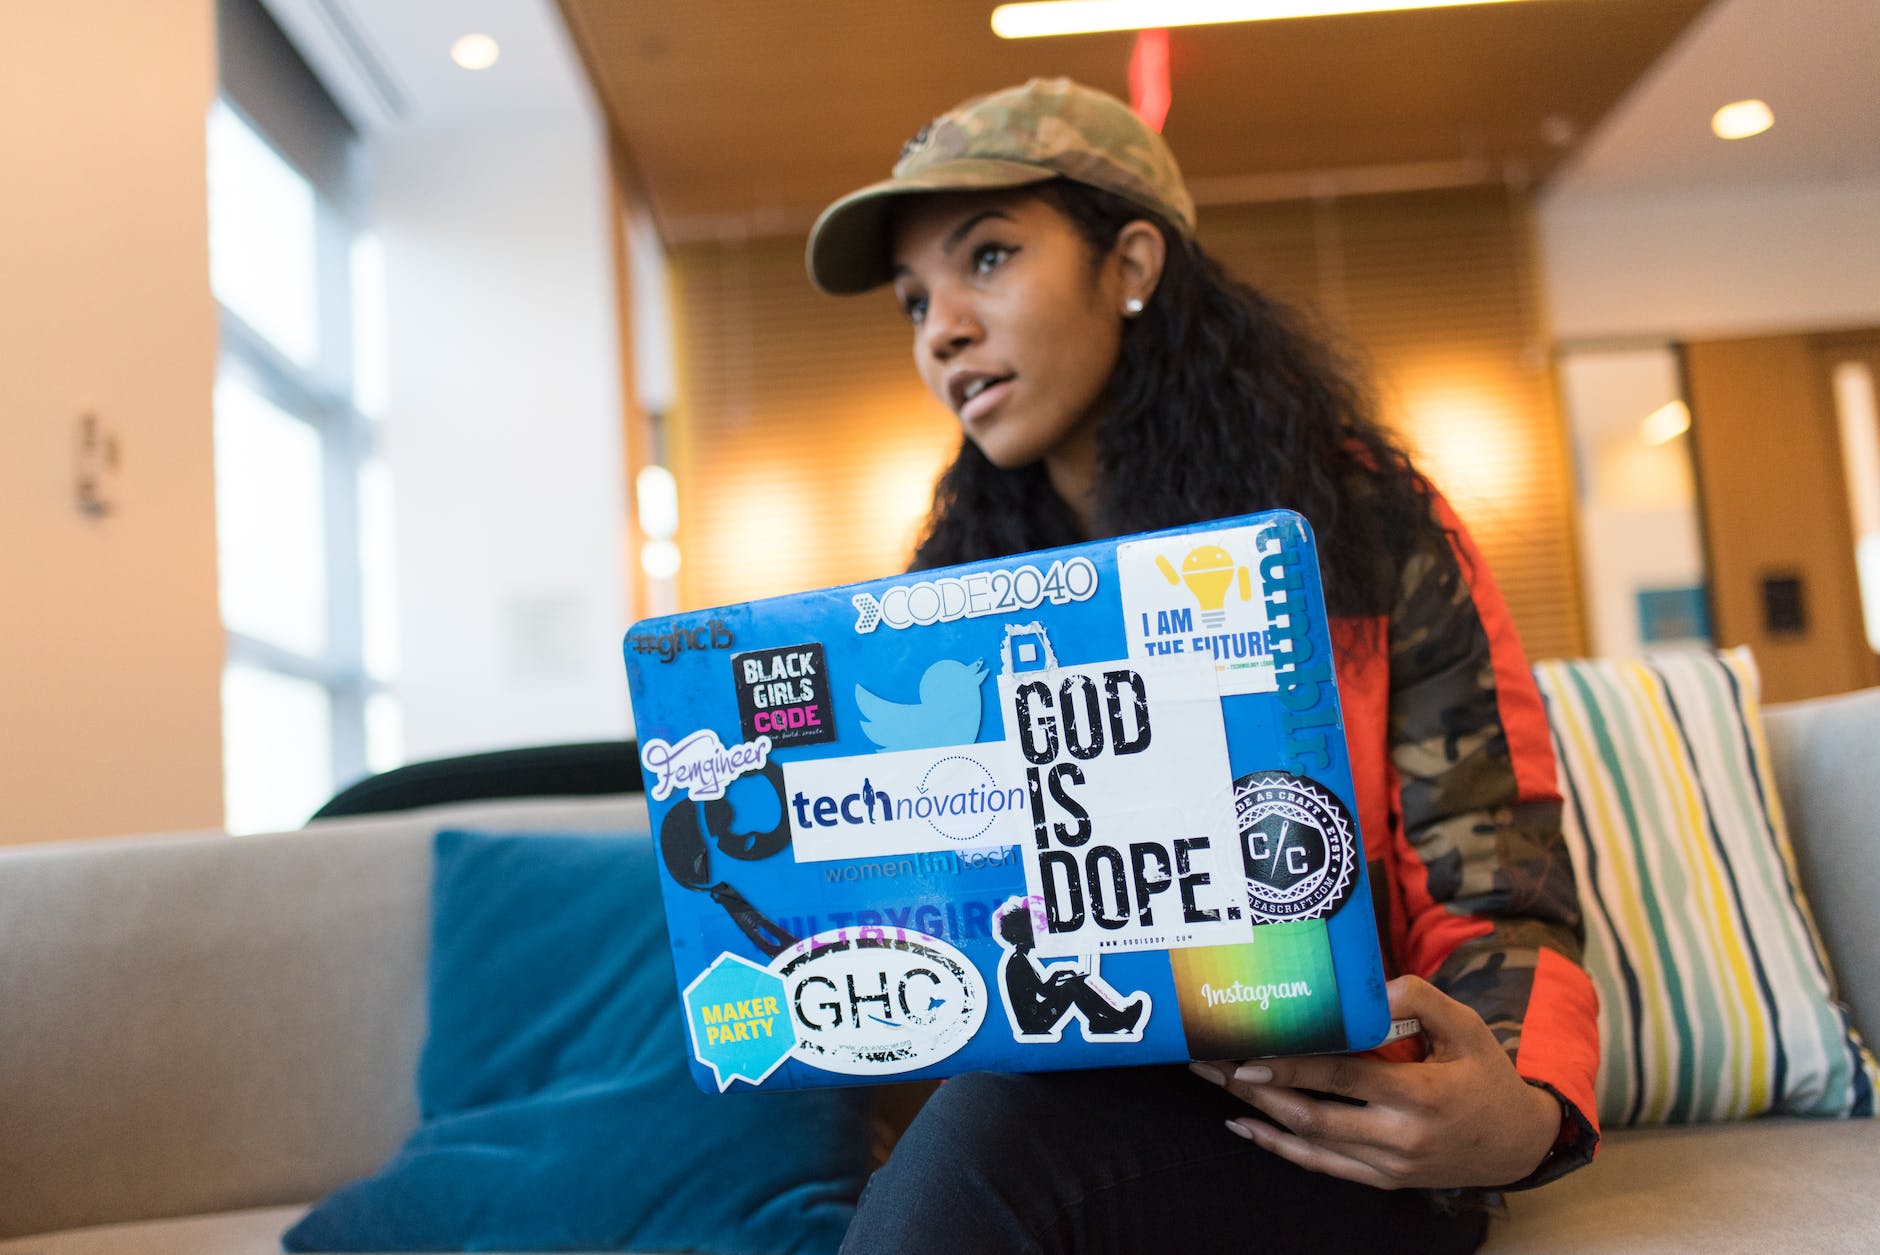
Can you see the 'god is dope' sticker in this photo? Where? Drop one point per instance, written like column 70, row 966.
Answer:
column 1296, row 842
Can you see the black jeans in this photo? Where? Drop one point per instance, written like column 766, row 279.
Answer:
column 1130, row 1160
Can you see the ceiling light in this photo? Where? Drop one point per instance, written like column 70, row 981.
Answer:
column 1666, row 423
column 1742, row 119
column 475, row 52
column 1558, row 129
column 1079, row 17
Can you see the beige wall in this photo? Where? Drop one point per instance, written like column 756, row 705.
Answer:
column 109, row 632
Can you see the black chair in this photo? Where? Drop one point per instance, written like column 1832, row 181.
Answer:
column 583, row 769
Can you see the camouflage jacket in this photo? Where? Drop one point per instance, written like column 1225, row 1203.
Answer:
column 1456, row 794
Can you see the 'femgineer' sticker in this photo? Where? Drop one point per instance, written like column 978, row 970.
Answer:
column 1296, row 841
column 700, row 764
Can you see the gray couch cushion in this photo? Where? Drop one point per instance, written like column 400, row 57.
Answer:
column 1745, row 1188
column 1827, row 757
column 219, row 1022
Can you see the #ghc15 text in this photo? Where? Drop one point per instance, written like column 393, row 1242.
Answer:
column 712, row 634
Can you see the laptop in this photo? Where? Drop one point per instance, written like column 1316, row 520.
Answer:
column 1085, row 807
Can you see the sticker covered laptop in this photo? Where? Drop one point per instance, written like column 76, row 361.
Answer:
column 1085, row 807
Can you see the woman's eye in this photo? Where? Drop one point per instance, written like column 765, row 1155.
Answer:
column 988, row 257
column 915, row 307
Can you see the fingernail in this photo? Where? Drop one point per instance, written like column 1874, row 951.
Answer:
column 1207, row 1072
column 1253, row 1073
column 1241, row 1128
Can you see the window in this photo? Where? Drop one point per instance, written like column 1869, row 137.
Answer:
column 303, row 502
column 1859, row 418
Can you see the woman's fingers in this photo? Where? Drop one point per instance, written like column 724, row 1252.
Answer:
column 1461, row 1116
column 1321, row 1120
column 1346, row 1161
column 1450, row 1026
column 1348, row 1076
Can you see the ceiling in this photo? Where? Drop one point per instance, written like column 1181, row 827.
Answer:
column 747, row 116
column 1816, row 62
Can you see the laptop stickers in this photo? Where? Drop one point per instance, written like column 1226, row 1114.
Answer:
column 1081, row 808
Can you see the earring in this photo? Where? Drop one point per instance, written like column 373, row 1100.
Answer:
column 1132, row 307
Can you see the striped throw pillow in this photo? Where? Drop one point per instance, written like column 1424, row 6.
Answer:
column 1715, row 996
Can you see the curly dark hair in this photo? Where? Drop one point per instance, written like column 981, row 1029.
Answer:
column 1223, row 401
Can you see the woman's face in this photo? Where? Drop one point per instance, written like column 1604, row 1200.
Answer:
column 1017, row 326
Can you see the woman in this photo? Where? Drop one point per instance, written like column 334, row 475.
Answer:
column 1110, row 378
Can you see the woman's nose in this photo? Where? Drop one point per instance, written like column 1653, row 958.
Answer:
column 950, row 327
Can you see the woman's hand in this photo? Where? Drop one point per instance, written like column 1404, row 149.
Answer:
column 1461, row 1117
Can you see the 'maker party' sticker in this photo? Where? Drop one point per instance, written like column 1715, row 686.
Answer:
column 736, row 1013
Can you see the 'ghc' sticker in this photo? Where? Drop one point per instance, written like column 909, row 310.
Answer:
column 1297, row 846
column 877, row 1001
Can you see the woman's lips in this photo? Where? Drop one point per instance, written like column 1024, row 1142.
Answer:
column 985, row 400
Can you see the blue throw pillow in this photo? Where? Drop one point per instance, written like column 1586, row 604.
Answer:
column 556, row 1109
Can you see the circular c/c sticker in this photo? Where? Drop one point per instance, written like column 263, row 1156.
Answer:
column 1297, row 843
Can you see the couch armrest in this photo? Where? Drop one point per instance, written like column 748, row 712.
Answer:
column 197, row 1024
column 1826, row 756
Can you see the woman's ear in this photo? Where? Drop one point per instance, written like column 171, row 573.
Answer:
column 1139, row 252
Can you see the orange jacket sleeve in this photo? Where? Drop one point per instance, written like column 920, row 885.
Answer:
column 1480, row 872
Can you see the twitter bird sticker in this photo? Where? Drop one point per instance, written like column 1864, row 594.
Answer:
column 947, row 713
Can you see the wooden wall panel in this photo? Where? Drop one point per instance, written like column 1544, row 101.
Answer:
column 807, row 447
column 1767, row 450
column 1433, row 293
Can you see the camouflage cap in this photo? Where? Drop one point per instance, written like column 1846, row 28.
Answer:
column 1047, row 129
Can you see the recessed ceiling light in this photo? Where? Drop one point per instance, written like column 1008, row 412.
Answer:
column 1742, row 119
column 1079, row 17
column 475, row 52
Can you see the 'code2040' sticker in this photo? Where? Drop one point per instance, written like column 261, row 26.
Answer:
column 976, row 594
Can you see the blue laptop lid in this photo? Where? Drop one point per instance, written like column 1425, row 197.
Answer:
column 1080, row 808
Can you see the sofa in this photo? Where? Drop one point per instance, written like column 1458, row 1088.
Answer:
column 201, row 1034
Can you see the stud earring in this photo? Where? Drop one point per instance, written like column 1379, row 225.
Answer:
column 1132, row 307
